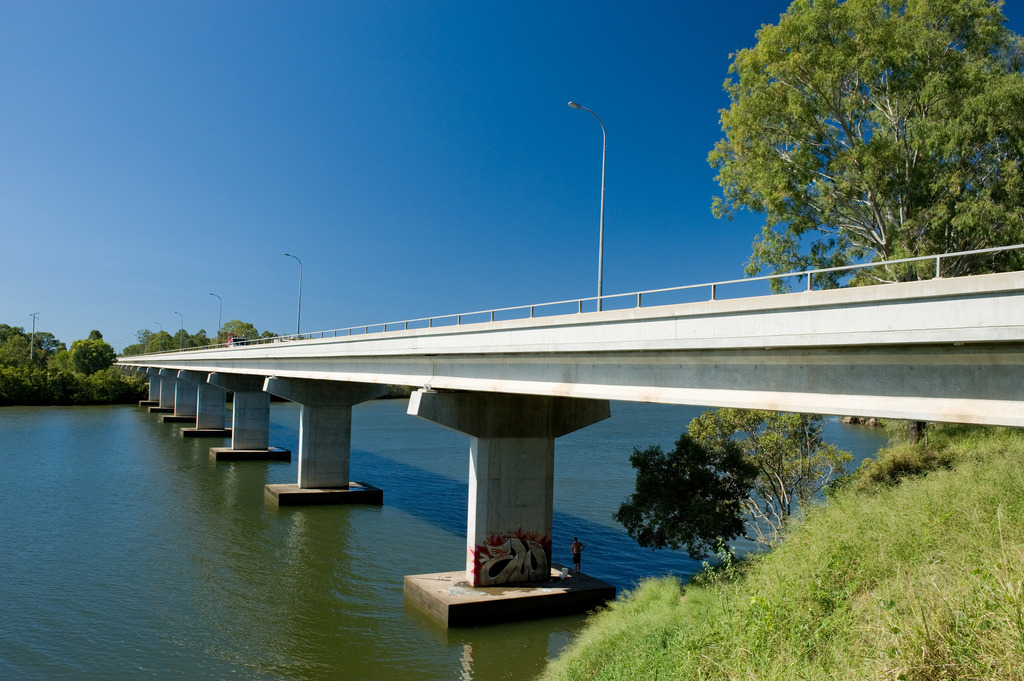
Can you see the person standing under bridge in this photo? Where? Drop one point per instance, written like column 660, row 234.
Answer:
column 577, row 549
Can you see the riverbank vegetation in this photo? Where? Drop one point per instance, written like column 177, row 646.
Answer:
column 734, row 472
column 40, row 370
column 914, row 570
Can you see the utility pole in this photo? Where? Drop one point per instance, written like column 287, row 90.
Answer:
column 32, row 342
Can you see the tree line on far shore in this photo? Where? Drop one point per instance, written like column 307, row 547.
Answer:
column 149, row 341
column 39, row 369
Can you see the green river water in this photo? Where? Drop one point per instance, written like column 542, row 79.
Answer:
column 125, row 553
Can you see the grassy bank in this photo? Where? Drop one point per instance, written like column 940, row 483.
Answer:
column 914, row 571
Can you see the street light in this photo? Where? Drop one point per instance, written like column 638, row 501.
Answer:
column 160, row 343
column 600, row 243
column 181, row 333
column 298, row 315
column 220, row 309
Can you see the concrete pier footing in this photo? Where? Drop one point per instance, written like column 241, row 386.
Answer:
column 293, row 495
column 161, row 410
column 448, row 597
column 204, row 432
column 178, row 418
column 266, row 454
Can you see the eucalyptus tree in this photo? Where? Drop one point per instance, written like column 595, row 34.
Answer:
column 877, row 129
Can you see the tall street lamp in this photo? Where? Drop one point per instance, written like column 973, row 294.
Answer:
column 160, row 343
column 298, row 315
column 600, row 243
column 181, row 333
column 220, row 309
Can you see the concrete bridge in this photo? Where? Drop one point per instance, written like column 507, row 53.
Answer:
column 936, row 350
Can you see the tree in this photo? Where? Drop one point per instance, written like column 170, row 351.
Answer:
column 198, row 339
column 14, row 350
column 737, row 473
column 48, row 344
column 160, row 341
column 238, row 329
column 61, row 362
column 91, row 355
column 872, row 130
column 184, row 339
column 16, row 344
column 690, row 497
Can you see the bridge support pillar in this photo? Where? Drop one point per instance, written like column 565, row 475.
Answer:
column 154, row 388
column 165, row 382
column 209, row 406
column 325, row 434
column 185, row 398
column 511, row 474
column 250, row 420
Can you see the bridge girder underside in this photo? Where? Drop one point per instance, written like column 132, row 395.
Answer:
column 961, row 383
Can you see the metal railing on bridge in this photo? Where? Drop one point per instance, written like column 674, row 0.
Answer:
column 616, row 301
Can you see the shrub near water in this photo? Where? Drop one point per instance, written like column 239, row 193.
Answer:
column 918, row 580
column 31, row 386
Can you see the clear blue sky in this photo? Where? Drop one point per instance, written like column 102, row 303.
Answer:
column 419, row 157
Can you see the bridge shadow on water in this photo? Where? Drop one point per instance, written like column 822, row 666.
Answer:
column 423, row 470
column 611, row 555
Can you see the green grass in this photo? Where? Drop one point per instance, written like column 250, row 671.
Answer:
column 913, row 571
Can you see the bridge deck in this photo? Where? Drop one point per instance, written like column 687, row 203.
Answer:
column 942, row 349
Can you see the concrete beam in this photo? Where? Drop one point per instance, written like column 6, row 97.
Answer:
column 511, row 474
column 499, row 415
column 325, row 426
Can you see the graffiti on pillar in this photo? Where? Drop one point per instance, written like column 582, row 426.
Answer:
column 522, row 557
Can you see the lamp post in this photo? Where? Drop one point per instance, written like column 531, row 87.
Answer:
column 181, row 333
column 160, row 343
column 298, row 315
column 220, row 309
column 600, row 243
column 32, row 342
